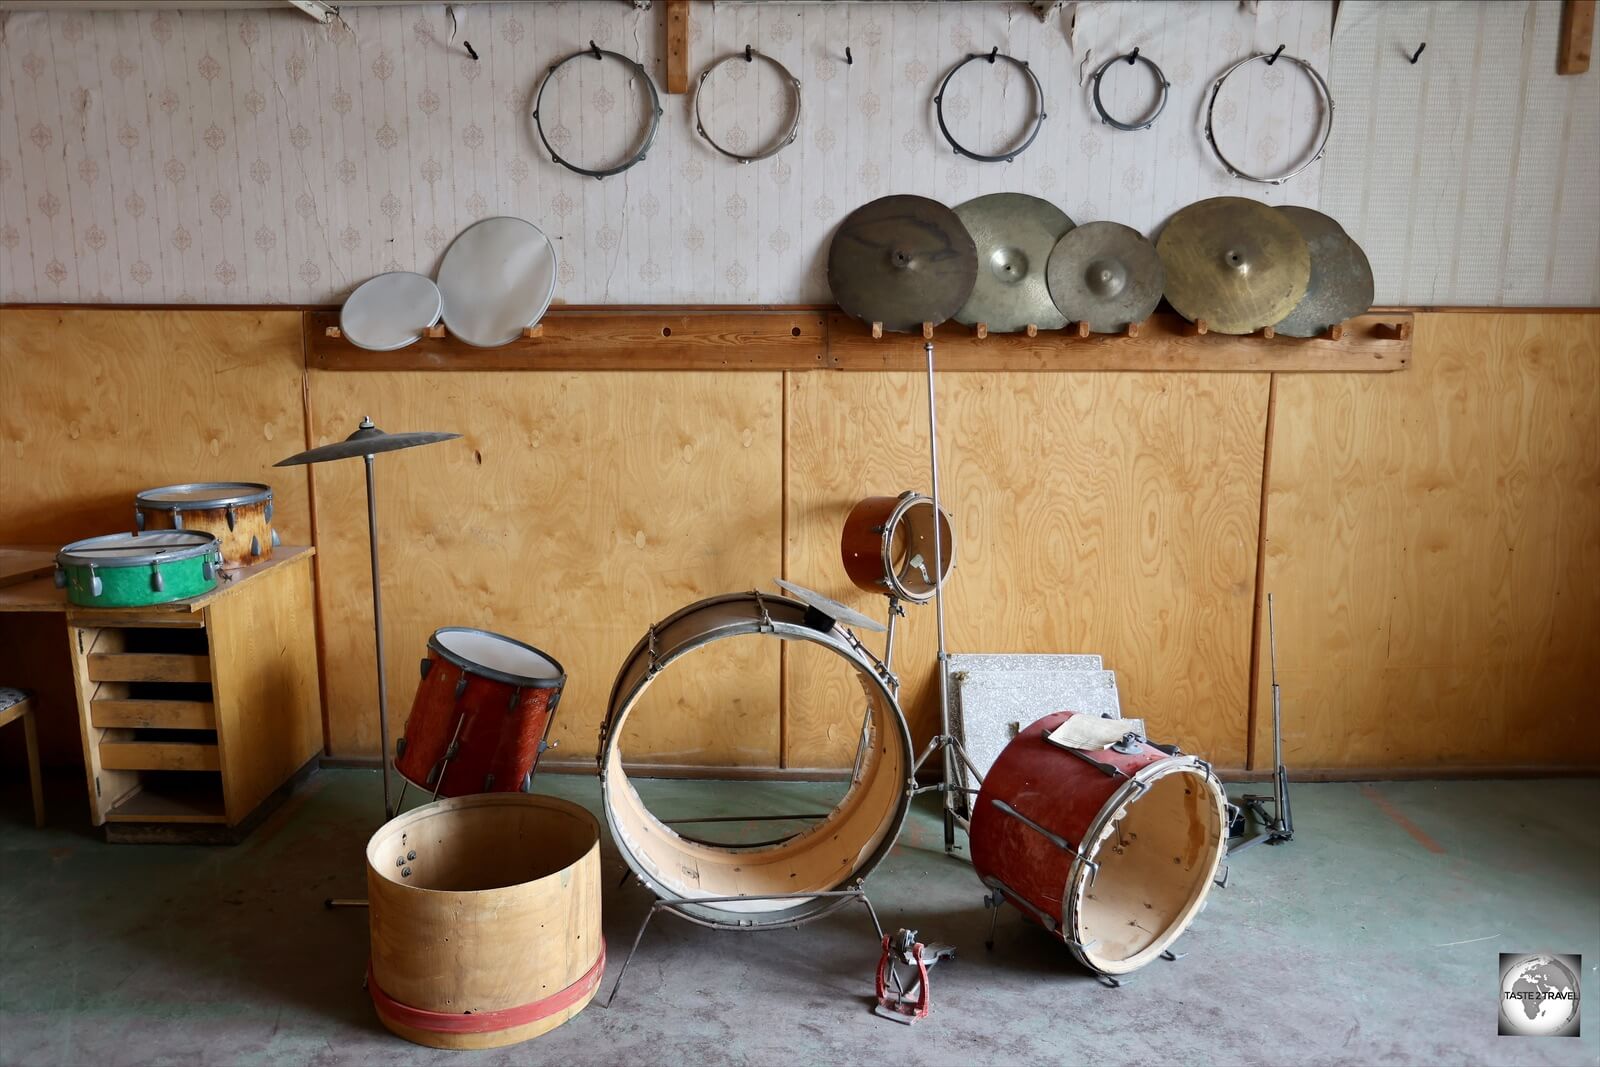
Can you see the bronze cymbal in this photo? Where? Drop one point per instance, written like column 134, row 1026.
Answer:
column 1105, row 274
column 1236, row 263
column 839, row 613
column 902, row 261
column 1341, row 278
column 368, row 440
column 1014, row 233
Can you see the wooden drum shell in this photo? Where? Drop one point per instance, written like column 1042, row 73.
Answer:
column 1157, row 835
column 485, row 919
column 252, row 528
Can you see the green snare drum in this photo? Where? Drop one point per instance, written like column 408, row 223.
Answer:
column 135, row 570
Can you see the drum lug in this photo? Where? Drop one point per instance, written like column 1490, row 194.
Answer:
column 96, row 586
column 433, row 774
column 516, row 698
column 451, row 752
column 765, row 625
column 555, row 701
column 461, row 686
column 488, row 783
column 255, row 546
column 138, row 519
column 879, row 530
column 177, row 519
column 156, row 582
column 268, row 512
column 527, row 782
column 208, row 570
column 61, row 577
column 427, row 665
column 233, row 516
column 655, row 658
column 399, row 747
column 276, row 540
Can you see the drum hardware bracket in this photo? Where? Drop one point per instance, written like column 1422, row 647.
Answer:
column 1049, row 835
column 1104, row 768
column 1001, row 894
column 1128, row 744
column 677, row 907
column 655, row 655
column 765, row 626
column 594, row 51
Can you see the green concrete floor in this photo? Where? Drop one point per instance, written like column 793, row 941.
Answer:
column 1372, row 938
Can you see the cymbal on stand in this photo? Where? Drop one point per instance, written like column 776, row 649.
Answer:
column 368, row 440
column 1236, row 263
column 902, row 261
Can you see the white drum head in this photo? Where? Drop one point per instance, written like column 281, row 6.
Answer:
column 390, row 311
column 497, row 279
column 497, row 653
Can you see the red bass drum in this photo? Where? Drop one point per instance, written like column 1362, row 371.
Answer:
column 1112, row 851
column 480, row 716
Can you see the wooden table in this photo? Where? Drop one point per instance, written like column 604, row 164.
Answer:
column 22, row 563
column 194, row 714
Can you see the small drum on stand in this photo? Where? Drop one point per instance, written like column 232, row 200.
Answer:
column 887, row 546
column 238, row 514
column 480, row 717
column 133, row 571
column 1112, row 849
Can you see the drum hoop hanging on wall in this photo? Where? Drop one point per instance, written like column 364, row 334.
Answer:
column 1150, row 116
column 1038, row 94
column 1326, row 125
column 749, row 55
column 598, row 53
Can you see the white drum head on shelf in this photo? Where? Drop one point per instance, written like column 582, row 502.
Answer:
column 497, row 279
column 390, row 311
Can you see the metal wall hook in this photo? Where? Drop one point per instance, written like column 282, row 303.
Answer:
column 994, row 53
column 470, row 50
column 1133, row 55
column 1418, row 53
column 594, row 49
column 748, row 56
column 1273, row 58
column 849, row 59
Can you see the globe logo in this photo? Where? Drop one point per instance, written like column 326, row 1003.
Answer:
column 1539, row 995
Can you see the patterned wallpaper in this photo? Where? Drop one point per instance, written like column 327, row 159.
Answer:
column 255, row 156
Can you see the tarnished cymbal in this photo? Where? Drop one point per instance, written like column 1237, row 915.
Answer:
column 1105, row 274
column 1341, row 278
column 1236, row 263
column 902, row 261
column 1014, row 233
column 368, row 440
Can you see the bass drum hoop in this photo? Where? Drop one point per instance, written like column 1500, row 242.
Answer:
column 786, row 623
column 1078, row 879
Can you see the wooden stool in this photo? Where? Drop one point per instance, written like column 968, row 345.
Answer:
column 17, row 704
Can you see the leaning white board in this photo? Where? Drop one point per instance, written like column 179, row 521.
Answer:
column 990, row 707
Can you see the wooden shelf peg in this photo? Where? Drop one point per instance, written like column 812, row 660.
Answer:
column 982, row 330
column 877, row 331
column 334, row 331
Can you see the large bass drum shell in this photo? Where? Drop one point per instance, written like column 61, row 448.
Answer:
column 833, row 854
column 237, row 514
column 882, row 537
column 1112, row 852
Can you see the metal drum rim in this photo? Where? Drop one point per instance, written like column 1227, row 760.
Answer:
column 467, row 666
column 1077, row 882
column 202, row 544
column 260, row 494
column 710, row 915
column 904, row 503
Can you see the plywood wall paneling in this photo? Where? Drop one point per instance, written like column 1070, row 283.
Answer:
column 1433, row 544
column 576, row 510
column 1094, row 513
column 100, row 404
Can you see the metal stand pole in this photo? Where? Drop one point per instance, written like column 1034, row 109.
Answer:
column 377, row 631
column 949, row 796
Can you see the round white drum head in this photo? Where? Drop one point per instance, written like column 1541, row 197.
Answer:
column 498, row 653
column 497, row 279
column 390, row 311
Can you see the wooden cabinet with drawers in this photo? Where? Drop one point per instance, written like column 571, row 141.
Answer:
column 195, row 714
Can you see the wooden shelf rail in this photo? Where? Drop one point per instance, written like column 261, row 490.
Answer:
column 794, row 339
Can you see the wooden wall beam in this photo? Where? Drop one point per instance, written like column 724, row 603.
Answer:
column 1576, row 43
column 675, row 16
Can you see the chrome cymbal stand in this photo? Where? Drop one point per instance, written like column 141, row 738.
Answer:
column 1278, row 827
column 949, row 746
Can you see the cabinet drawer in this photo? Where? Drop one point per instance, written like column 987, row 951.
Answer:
column 154, row 714
column 148, row 667
column 158, row 756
